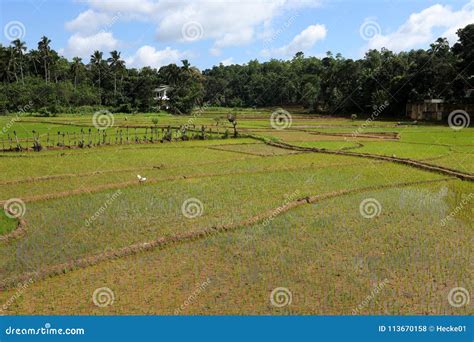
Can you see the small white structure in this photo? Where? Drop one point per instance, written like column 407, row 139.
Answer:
column 141, row 179
column 161, row 92
column 161, row 95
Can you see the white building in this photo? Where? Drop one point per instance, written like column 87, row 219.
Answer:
column 161, row 95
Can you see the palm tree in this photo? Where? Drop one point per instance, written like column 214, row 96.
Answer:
column 76, row 67
column 117, row 65
column 10, row 63
column 44, row 49
column 186, row 64
column 170, row 74
column 96, row 61
column 19, row 48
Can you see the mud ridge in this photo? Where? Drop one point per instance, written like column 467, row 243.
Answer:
column 16, row 233
column 405, row 161
column 167, row 241
column 112, row 186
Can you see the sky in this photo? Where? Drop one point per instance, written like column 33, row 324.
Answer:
column 208, row 32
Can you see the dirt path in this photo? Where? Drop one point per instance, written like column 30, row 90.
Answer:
column 167, row 241
column 112, row 186
column 410, row 162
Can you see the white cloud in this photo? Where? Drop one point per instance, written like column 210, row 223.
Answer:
column 148, row 56
column 84, row 46
column 227, row 61
column 127, row 6
column 418, row 30
column 89, row 21
column 301, row 42
column 226, row 23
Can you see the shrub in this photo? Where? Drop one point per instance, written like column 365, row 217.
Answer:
column 124, row 108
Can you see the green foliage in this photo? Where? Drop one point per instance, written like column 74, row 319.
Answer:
column 124, row 108
column 41, row 78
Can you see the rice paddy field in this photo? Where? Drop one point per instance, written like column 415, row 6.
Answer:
column 319, row 216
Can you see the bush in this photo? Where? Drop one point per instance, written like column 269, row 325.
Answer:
column 124, row 108
column 43, row 112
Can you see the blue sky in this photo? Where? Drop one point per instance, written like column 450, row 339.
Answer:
column 159, row 32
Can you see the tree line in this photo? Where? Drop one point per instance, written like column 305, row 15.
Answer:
column 48, row 83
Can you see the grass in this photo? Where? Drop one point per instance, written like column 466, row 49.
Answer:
column 83, row 202
column 7, row 224
column 327, row 255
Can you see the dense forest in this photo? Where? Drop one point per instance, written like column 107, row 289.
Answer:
column 42, row 81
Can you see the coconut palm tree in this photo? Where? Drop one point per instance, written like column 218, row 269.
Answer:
column 44, row 49
column 96, row 62
column 117, row 65
column 19, row 48
column 76, row 67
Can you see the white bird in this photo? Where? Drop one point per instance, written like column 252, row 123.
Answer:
column 141, row 179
